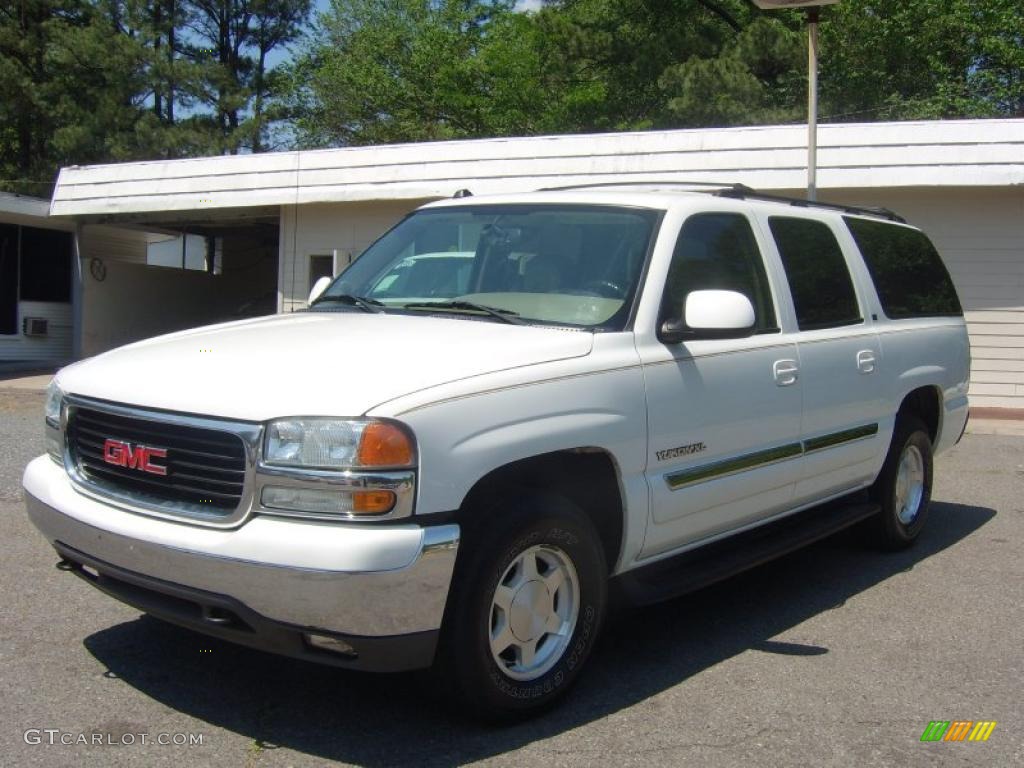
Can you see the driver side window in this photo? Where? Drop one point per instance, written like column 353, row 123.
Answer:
column 717, row 251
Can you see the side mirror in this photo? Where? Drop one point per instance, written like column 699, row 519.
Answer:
column 318, row 287
column 710, row 315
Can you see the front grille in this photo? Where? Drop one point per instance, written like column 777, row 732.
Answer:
column 205, row 467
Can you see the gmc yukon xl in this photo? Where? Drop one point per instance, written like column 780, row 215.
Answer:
column 504, row 408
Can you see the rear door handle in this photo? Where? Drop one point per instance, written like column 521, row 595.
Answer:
column 786, row 372
column 866, row 361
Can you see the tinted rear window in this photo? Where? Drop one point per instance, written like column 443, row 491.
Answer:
column 819, row 279
column 908, row 273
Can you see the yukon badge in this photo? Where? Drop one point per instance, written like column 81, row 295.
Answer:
column 140, row 457
column 682, row 450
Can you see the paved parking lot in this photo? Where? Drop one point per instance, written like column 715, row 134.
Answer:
column 833, row 656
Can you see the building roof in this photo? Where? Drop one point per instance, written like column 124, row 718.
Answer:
column 957, row 153
column 22, row 205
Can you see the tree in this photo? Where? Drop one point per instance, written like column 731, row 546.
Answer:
column 230, row 40
column 756, row 78
column 923, row 59
column 411, row 70
column 69, row 90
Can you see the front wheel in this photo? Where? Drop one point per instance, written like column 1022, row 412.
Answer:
column 525, row 608
column 904, row 486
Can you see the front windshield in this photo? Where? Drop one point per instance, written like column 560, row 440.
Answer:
column 549, row 264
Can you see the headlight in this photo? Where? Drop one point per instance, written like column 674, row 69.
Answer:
column 318, row 467
column 54, row 396
column 338, row 444
column 54, row 443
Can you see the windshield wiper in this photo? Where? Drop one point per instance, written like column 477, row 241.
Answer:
column 505, row 315
column 365, row 304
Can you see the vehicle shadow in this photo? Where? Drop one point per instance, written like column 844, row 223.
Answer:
column 379, row 720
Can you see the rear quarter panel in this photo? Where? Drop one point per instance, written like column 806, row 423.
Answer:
column 930, row 352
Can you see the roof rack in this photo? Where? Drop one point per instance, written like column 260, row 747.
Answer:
column 743, row 192
column 740, row 192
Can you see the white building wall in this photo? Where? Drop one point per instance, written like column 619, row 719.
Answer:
column 341, row 229
column 55, row 346
column 117, row 243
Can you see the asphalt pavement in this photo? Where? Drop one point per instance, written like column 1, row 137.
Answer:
column 833, row 656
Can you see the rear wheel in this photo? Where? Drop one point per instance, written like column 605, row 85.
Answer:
column 904, row 486
column 526, row 607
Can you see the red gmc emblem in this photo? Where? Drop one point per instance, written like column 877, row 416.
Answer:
column 139, row 457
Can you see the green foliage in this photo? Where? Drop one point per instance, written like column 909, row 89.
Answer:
column 410, row 70
column 756, row 78
column 86, row 81
column 924, row 59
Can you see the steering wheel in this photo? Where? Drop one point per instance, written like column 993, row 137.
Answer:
column 604, row 288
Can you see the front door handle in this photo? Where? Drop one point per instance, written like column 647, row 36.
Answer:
column 866, row 361
column 786, row 372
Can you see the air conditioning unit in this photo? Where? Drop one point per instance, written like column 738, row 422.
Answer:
column 34, row 326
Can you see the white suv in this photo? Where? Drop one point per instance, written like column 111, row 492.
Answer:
column 448, row 460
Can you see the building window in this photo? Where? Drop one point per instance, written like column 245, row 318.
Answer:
column 198, row 253
column 320, row 265
column 35, row 265
column 45, row 265
column 8, row 279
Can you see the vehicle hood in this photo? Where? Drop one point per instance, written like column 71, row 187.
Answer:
column 331, row 363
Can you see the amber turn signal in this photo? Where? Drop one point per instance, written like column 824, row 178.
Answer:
column 372, row 502
column 385, row 445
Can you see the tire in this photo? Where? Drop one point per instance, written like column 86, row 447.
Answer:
column 904, row 487
column 526, row 566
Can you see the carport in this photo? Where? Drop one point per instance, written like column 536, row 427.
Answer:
column 146, row 275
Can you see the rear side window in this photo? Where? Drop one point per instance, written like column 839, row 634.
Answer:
column 908, row 273
column 717, row 251
column 819, row 278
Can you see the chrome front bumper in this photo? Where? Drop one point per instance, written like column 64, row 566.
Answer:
column 356, row 580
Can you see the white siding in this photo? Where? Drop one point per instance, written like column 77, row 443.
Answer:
column 347, row 228
column 116, row 243
column 55, row 346
column 980, row 235
column 973, row 152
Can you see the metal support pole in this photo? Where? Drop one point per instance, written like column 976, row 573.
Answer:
column 812, row 103
column 77, row 286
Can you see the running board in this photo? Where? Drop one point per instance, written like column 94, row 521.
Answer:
column 726, row 557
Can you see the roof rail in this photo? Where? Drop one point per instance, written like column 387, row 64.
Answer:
column 739, row 192
column 742, row 192
column 653, row 183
